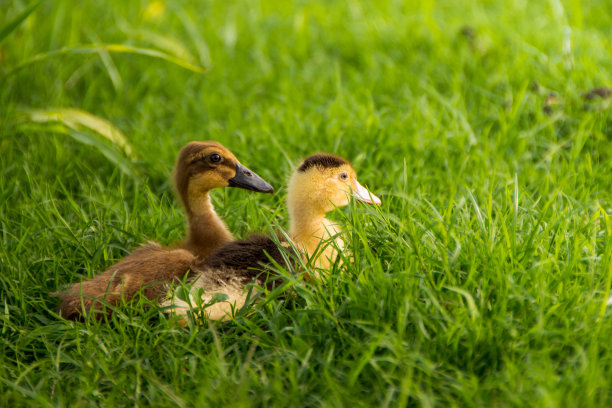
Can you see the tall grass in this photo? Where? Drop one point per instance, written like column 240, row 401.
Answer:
column 482, row 279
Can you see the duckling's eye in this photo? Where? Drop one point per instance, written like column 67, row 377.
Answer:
column 215, row 158
column 343, row 176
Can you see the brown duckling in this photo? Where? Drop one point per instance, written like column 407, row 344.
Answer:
column 321, row 183
column 201, row 167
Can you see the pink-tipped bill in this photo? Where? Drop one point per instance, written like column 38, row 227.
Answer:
column 362, row 194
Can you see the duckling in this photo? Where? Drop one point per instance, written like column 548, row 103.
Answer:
column 320, row 183
column 200, row 167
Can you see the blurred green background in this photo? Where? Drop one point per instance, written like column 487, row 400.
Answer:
column 481, row 281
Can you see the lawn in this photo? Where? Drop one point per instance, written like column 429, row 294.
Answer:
column 482, row 280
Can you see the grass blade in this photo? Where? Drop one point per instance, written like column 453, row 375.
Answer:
column 114, row 48
column 13, row 24
column 162, row 42
column 77, row 119
column 85, row 128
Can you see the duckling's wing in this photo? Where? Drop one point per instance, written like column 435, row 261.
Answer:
column 147, row 269
column 247, row 254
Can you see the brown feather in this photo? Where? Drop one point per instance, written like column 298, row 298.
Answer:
column 148, row 269
column 247, row 258
column 229, row 271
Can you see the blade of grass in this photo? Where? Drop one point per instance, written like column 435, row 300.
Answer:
column 85, row 128
column 162, row 42
column 77, row 119
column 197, row 38
column 113, row 48
column 109, row 64
column 12, row 25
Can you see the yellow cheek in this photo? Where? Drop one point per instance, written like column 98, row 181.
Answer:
column 343, row 199
column 206, row 182
column 337, row 195
column 343, row 189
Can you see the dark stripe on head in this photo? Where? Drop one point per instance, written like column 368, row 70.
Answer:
column 322, row 160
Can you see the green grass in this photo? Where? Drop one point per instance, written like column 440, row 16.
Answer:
column 481, row 281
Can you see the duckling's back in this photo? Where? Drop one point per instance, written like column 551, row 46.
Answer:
column 251, row 255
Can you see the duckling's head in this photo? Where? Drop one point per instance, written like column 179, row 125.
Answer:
column 322, row 182
column 202, row 166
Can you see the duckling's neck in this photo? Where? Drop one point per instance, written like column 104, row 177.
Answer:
column 310, row 230
column 206, row 230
